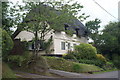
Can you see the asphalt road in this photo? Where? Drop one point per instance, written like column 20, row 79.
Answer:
column 113, row 74
column 69, row 75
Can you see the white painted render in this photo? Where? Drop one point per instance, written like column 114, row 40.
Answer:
column 58, row 37
column 63, row 37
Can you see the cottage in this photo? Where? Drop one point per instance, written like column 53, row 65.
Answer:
column 61, row 41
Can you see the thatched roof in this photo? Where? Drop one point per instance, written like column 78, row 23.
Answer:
column 75, row 25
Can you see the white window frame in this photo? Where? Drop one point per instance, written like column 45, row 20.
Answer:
column 63, row 46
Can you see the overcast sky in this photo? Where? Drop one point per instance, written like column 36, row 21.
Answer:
column 92, row 9
column 95, row 11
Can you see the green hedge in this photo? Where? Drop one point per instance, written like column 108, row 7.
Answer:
column 85, row 51
column 93, row 62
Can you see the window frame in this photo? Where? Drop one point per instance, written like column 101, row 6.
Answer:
column 63, row 46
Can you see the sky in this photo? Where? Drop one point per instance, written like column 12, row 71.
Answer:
column 95, row 11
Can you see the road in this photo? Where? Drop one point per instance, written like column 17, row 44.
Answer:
column 64, row 74
column 113, row 74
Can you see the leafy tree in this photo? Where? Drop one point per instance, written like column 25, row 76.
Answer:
column 93, row 28
column 46, row 16
column 110, row 40
column 7, row 43
column 12, row 15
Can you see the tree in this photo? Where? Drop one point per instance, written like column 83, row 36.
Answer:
column 12, row 15
column 110, row 39
column 7, row 43
column 46, row 16
column 93, row 28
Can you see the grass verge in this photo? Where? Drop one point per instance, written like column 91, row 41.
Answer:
column 7, row 72
column 65, row 65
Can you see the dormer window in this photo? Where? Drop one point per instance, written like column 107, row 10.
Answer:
column 77, row 31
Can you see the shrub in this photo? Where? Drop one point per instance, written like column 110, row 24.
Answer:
column 93, row 62
column 76, row 67
column 27, row 55
column 70, row 55
column 108, row 66
column 85, row 51
column 17, row 59
column 116, row 60
column 101, row 57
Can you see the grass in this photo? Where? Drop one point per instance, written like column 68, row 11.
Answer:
column 34, row 68
column 65, row 65
column 7, row 72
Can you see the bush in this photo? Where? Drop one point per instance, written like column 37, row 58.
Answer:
column 116, row 61
column 17, row 59
column 93, row 62
column 108, row 66
column 27, row 55
column 76, row 68
column 70, row 56
column 85, row 51
column 101, row 58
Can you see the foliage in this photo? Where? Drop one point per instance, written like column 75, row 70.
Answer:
column 70, row 56
column 46, row 45
column 101, row 57
column 7, row 43
column 116, row 60
column 27, row 55
column 17, row 59
column 70, row 66
column 85, row 51
column 93, row 26
column 7, row 72
column 93, row 62
column 109, row 42
column 20, row 60
column 70, row 32
column 109, row 66
column 110, row 39
column 76, row 68
column 48, row 15
column 11, row 15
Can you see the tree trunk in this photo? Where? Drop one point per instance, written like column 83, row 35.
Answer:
column 36, row 44
column 16, row 33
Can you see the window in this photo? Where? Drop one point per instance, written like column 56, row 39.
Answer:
column 74, row 44
column 63, row 45
column 68, row 45
column 33, row 46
